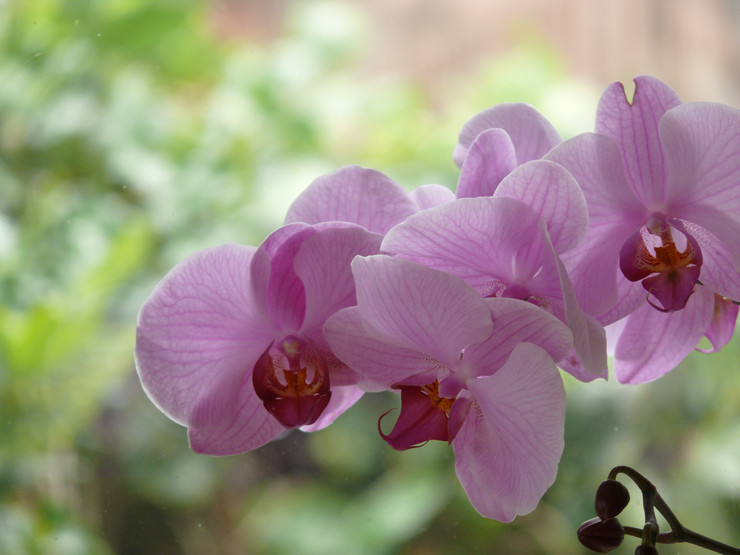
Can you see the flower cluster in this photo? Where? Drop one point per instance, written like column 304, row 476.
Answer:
column 466, row 304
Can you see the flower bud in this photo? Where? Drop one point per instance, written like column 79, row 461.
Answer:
column 601, row 536
column 611, row 499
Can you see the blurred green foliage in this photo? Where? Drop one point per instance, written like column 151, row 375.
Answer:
column 130, row 136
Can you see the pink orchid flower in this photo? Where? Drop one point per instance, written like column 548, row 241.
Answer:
column 662, row 183
column 497, row 140
column 230, row 342
column 508, row 245
column 476, row 372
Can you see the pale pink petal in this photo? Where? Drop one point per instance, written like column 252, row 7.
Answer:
column 508, row 449
column 342, row 398
column 554, row 195
column 514, row 322
column 323, row 265
column 476, row 239
column 412, row 306
column 199, row 335
column 353, row 194
column 531, row 133
column 652, row 342
column 702, row 150
column 722, row 326
column 217, row 428
column 431, row 195
column 489, row 159
column 634, row 127
column 378, row 363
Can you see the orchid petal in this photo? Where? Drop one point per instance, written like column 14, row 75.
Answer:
column 554, row 195
column 420, row 421
column 431, row 195
column 703, row 163
column 323, row 266
column 379, row 364
column 652, row 342
column 419, row 308
column 199, row 335
column 514, row 322
column 717, row 271
column 480, row 240
column 489, row 159
column 634, row 127
column 508, row 449
column 531, row 133
column 353, row 194
column 342, row 398
column 722, row 326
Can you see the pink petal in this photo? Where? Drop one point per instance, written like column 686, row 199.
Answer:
column 634, row 127
column 342, row 398
column 481, row 240
column 419, row 422
column 717, row 271
column 702, row 151
column 722, row 326
column 323, row 265
column 508, row 449
column 412, row 306
column 431, row 195
column 353, row 194
column 652, row 342
column 514, row 322
column 198, row 337
column 531, row 133
column 378, row 363
column 554, row 195
column 489, row 159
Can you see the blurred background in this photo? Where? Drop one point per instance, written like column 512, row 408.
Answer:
column 133, row 133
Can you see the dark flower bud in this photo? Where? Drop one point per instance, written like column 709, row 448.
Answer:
column 611, row 499
column 646, row 550
column 601, row 535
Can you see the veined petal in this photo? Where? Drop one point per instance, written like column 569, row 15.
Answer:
column 722, row 325
column 634, row 127
column 480, row 240
column 200, row 333
column 489, row 159
column 652, row 342
column 717, row 272
column 515, row 322
column 508, row 449
column 353, row 194
column 378, row 363
column 431, row 195
column 531, row 133
column 219, row 428
column 419, row 308
column 323, row 265
column 702, row 151
column 554, row 195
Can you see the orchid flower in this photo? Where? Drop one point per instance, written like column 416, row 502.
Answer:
column 508, row 245
column 230, row 342
column 475, row 372
column 495, row 141
column 363, row 196
column 662, row 183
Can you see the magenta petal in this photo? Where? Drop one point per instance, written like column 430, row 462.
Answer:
column 418, row 308
column 323, row 265
column 554, row 195
column 420, row 421
column 717, row 271
column 673, row 288
column 508, row 449
column 200, row 333
column 531, row 133
column 722, row 325
column 652, row 342
column 342, row 398
column 431, row 195
column 353, row 194
column 634, row 127
column 489, row 159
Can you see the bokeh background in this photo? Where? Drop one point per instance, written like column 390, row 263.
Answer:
column 133, row 133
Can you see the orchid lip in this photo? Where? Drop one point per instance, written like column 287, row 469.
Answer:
column 292, row 380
